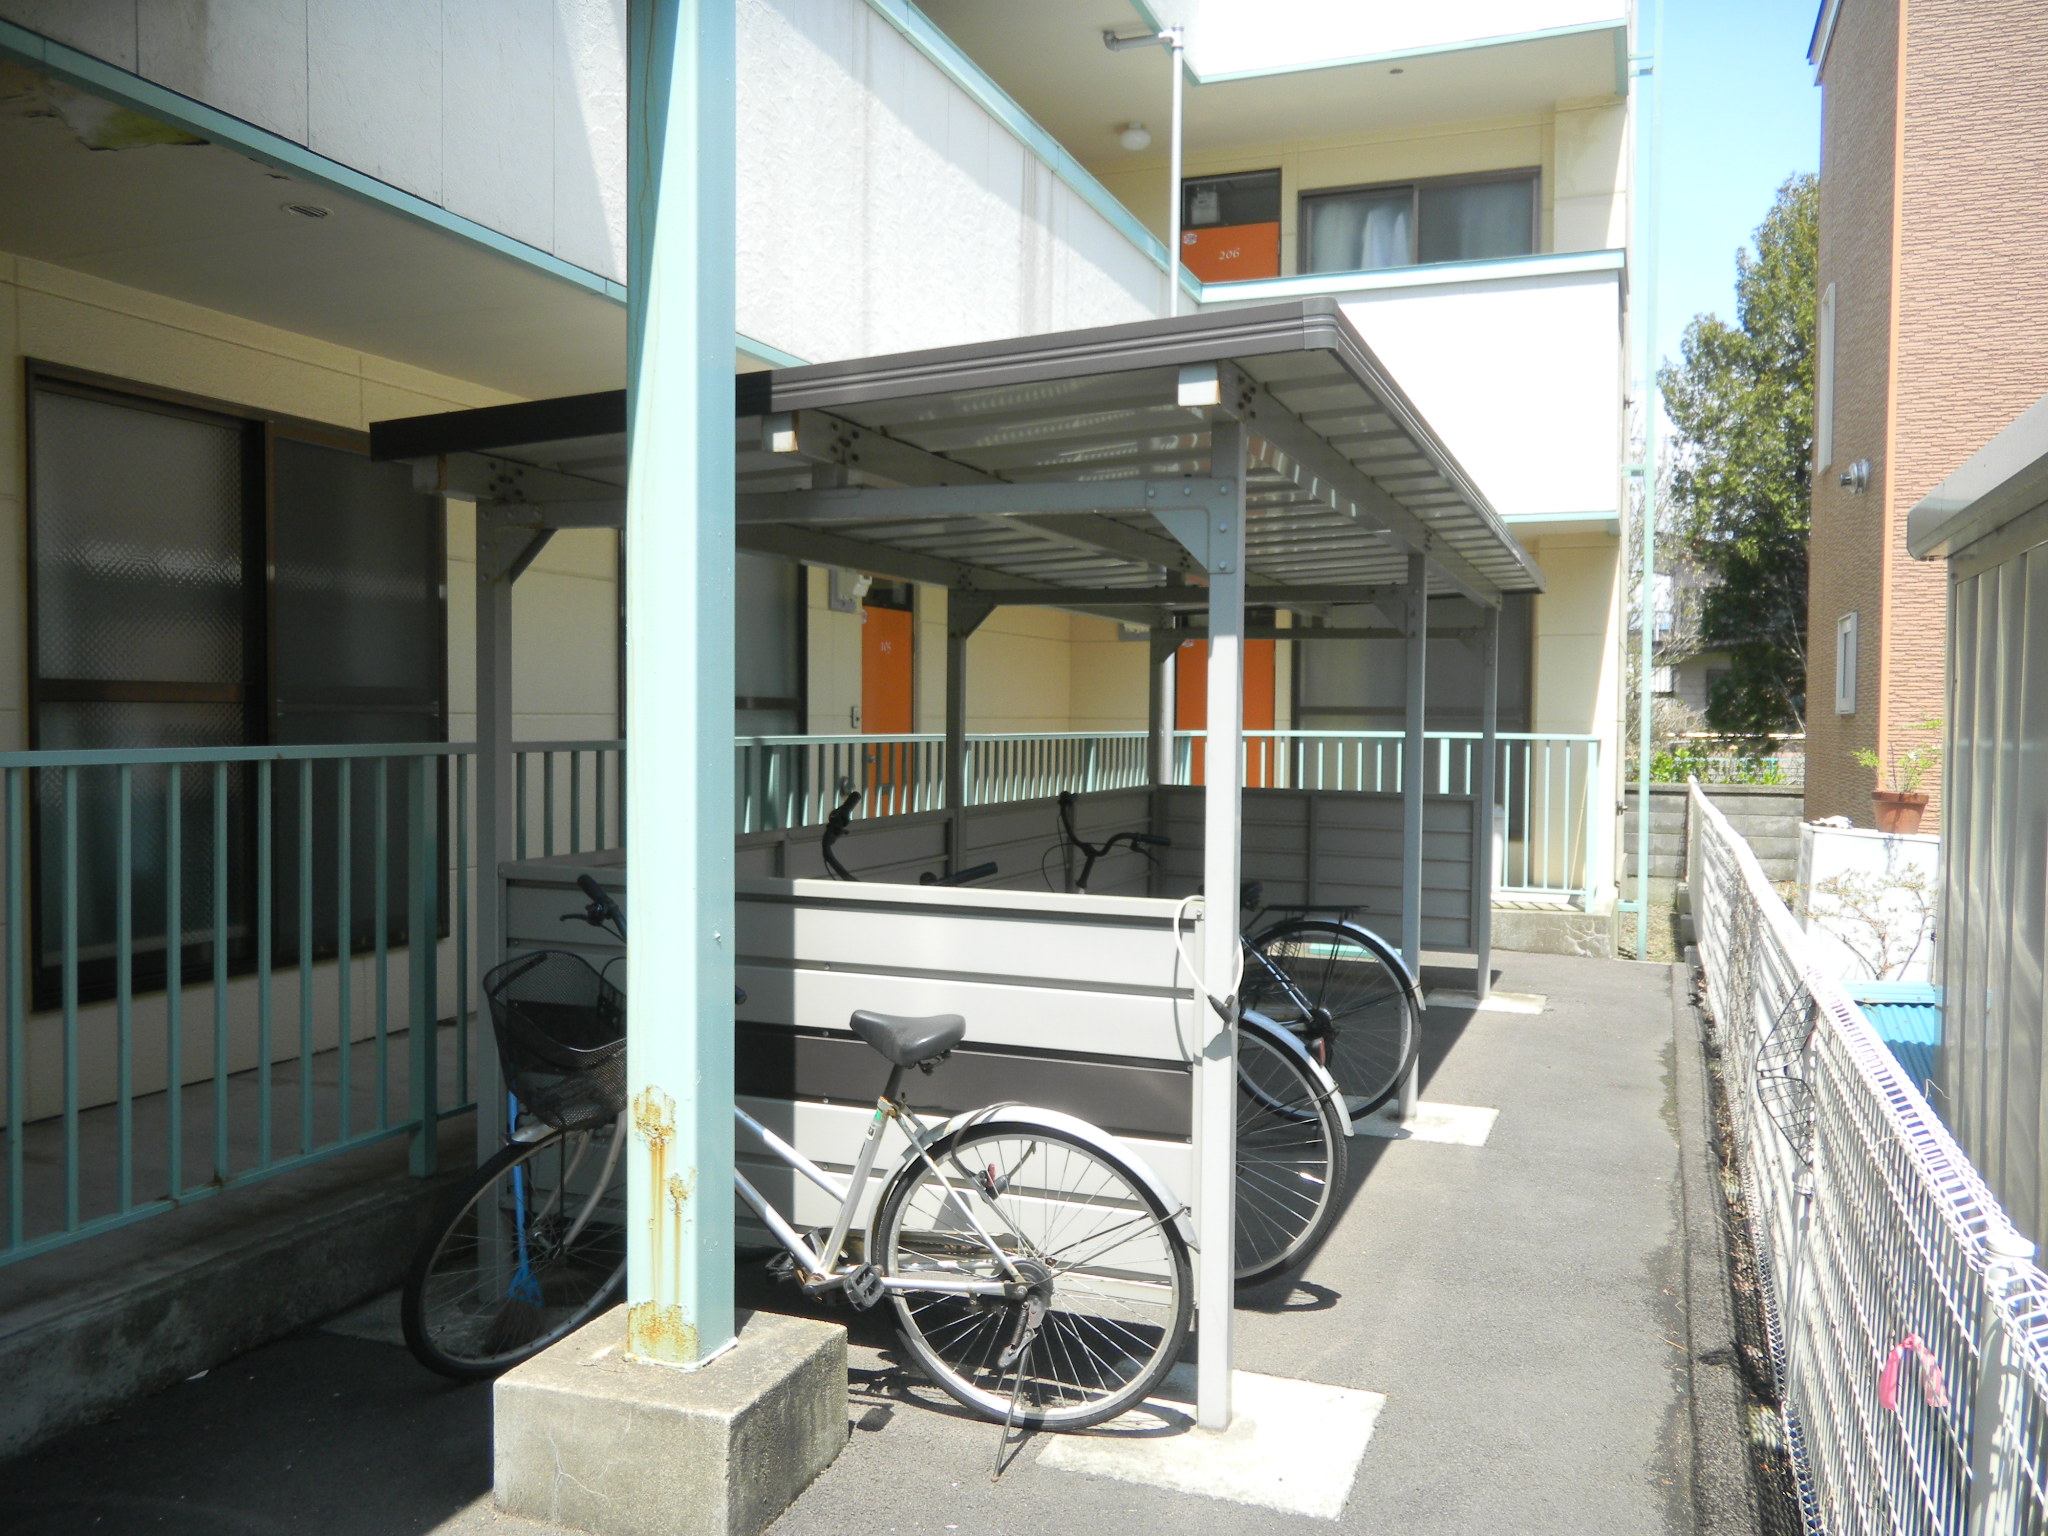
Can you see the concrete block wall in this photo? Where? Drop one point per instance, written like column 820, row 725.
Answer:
column 1767, row 815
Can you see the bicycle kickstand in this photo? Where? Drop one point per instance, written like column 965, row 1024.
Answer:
column 1030, row 1318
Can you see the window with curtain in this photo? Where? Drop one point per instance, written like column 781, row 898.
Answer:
column 202, row 576
column 1365, row 229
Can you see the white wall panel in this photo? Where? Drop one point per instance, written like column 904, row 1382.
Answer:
column 103, row 28
column 1521, row 379
column 498, row 114
column 373, row 91
column 881, row 208
column 588, row 166
column 247, row 57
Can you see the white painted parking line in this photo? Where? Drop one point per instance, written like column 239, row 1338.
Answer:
column 1461, row 1125
column 1493, row 1002
column 1293, row 1446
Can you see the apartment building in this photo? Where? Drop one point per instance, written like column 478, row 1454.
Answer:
column 231, row 241
column 1932, row 255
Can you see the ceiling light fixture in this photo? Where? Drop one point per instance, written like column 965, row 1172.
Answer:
column 307, row 210
column 1134, row 137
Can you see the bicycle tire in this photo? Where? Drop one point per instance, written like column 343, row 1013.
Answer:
column 477, row 1301
column 1123, row 1322
column 1291, row 1157
column 1362, row 1020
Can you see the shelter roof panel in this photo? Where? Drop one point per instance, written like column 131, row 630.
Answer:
column 1346, row 476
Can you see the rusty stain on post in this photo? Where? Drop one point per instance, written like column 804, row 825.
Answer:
column 656, row 1329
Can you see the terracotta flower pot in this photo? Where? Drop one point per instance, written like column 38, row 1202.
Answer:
column 1897, row 811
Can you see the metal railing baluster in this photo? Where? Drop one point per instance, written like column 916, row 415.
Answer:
column 220, row 973
column 124, row 980
column 70, row 925
column 305, row 862
column 422, row 977
column 264, row 898
column 381, row 906
column 460, row 768
column 575, row 802
column 174, row 980
column 344, row 947
column 17, row 1002
column 547, row 805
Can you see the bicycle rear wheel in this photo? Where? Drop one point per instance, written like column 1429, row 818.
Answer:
column 535, row 1250
column 1290, row 1157
column 1341, row 993
column 1079, row 1222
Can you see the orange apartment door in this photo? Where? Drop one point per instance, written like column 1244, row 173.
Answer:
column 1191, row 702
column 886, row 637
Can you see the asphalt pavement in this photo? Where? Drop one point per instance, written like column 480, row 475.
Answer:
column 1519, row 1304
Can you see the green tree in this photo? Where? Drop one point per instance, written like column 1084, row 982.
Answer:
column 1742, row 401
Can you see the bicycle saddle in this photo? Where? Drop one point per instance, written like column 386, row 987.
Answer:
column 906, row 1041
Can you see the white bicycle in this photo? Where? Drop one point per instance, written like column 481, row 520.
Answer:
column 1039, row 1271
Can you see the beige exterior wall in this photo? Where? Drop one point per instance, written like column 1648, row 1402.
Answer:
column 1028, row 669
column 1937, row 245
column 1580, row 150
column 1575, row 682
column 566, row 624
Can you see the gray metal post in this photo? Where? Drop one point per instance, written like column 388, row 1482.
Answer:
column 964, row 615
column 1175, row 39
column 956, row 746
column 494, row 810
column 680, row 573
column 1159, row 706
column 1489, row 751
column 1222, row 805
column 1414, row 771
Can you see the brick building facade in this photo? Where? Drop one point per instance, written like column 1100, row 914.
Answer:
column 1934, row 263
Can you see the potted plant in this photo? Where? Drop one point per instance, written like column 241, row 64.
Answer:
column 1899, row 802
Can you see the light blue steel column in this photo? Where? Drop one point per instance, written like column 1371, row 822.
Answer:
column 680, row 569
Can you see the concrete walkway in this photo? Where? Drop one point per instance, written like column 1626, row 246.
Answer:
column 1517, row 1303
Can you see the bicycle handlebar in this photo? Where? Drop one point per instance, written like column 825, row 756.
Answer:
column 1138, row 842
column 835, row 828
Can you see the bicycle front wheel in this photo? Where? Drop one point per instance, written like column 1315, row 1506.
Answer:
column 1290, row 1157
column 1328, row 984
column 1108, row 1266
column 535, row 1250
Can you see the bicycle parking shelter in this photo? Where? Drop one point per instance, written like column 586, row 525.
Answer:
column 1155, row 474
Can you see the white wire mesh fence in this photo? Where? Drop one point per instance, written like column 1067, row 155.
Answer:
column 1909, row 1331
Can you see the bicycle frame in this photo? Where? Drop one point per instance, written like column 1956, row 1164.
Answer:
column 822, row 1271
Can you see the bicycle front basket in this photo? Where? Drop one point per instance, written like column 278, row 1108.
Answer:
column 561, row 1030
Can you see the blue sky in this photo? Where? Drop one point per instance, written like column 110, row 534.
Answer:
column 1740, row 114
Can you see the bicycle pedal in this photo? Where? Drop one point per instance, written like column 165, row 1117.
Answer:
column 781, row 1266
column 862, row 1286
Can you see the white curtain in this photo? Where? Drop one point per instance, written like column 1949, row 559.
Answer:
column 1361, row 231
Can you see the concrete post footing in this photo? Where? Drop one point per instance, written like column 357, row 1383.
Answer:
column 584, row 1437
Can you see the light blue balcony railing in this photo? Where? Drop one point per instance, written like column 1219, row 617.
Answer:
column 1550, row 835
column 222, row 963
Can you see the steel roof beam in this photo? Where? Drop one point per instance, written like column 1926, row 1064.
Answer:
column 1296, row 450
column 875, row 504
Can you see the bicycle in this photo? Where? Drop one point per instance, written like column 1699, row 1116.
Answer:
column 1291, row 1127
column 841, row 817
column 1047, row 1283
column 1330, row 981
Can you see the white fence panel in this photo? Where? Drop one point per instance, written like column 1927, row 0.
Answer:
column 1872, row 1232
